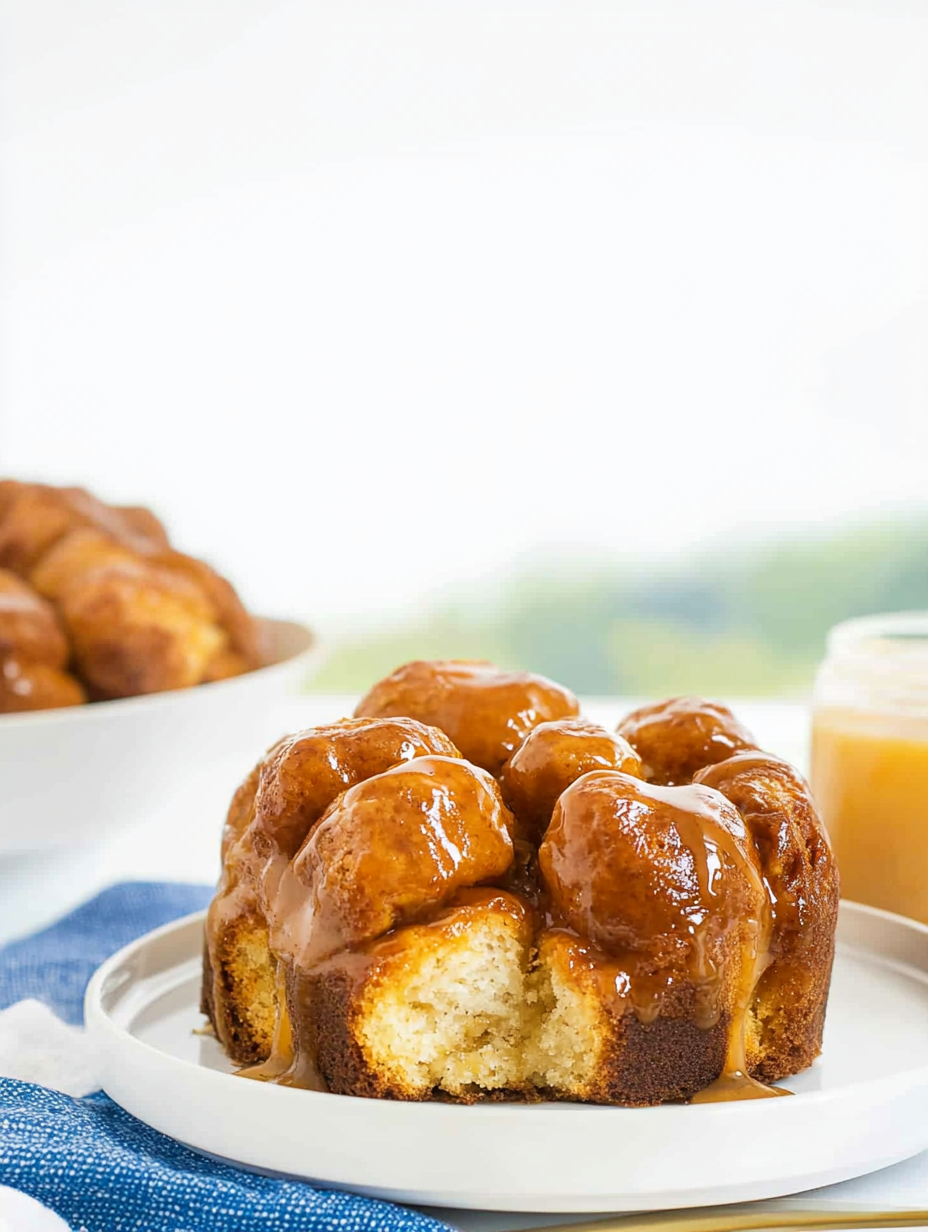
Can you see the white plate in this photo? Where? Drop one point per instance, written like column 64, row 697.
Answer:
column 72, row 775
column 862, row 1106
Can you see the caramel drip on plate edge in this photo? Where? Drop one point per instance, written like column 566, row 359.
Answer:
column 280, row 1060
column 734, row 1082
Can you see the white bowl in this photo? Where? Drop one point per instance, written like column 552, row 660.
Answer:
column 69, row 776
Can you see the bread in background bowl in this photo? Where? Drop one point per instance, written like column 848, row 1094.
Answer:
column 70, row 776
column 96, row 603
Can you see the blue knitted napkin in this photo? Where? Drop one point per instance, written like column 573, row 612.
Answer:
column 101, row 1169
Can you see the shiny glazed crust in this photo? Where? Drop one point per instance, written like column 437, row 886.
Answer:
column 565, row 1033
column 788, row 1019
column 269, row 818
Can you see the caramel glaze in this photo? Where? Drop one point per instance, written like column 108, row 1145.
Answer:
column 677, row 738
column 398, row 849
column 661, row 885
column 286, row 794
column 390, row 848
column 278, row 1064
column 680, row 899
column 485, row 711
column 801, row 876
column 303, row 774
column 550, row 758
column 291, row 787
column 304, row 1053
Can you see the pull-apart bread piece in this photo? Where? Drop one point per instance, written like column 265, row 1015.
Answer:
column 404, row 981
column 788, row 1013
column 33, row 652
column 269, row 818
column 550, row 758
column 34, row 516
column 675, row 739
column 594, row 925
column 659, row 926
column 139, row 616
column 688, row 739
column 486, row 712
column 136, row 626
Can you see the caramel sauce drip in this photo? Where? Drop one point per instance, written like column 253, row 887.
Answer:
column 735, row 1084
column 281, row 1058
column 664, row 882
column 394, row 846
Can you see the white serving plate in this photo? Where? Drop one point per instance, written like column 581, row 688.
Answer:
column 72, row 775
column 862, row 1106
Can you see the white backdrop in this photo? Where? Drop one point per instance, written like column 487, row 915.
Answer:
column 369, row 298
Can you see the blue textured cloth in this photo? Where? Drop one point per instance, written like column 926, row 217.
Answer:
column 101, row 1169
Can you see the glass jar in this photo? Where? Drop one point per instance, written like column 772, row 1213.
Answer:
column 869, row 770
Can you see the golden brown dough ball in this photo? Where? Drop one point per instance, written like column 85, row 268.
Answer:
column 142, row 525
column 36, row 686
column 29, row 628
column 136, row 626
column 243, row 631
column 549, row 759
column 34, row 516
column 302, row 774
column 485, row 711
column 387, row 850
column 640, row 868
column 74, row 557
column 33, row 652
column 139, row 629
column 225, row 664
column 241, row 812
column 85, row 550
column 140, row 616
column 675, row 739
column 791, row 841
column 9, row 493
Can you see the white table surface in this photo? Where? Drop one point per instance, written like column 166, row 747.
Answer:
column 35, row 890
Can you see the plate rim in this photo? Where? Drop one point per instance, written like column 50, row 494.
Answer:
column 888, row 1112
column 98, row 1018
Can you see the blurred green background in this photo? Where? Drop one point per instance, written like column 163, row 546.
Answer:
column 744, row 621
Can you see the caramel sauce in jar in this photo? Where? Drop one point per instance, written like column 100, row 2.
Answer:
column 869, row 770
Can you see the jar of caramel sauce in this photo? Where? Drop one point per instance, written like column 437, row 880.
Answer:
column 869, row 770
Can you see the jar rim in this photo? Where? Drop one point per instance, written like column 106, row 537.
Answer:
column 862, row 632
